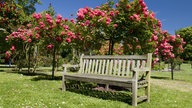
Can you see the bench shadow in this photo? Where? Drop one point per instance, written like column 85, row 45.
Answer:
column 99, row 92
column 2, row 71
column 46, row 77
column 159, row 77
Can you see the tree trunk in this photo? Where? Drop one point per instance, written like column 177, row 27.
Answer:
column 159, row 65
column 35, row 55
column 109, row 50
column 191, row 64
column 111, row 46
column 29, row 59
column 172, row 70
column 179, row 66
column 19, row 63
column 53, row 62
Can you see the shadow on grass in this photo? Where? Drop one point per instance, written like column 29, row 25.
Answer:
column 38, row 76
column 2, row 70
column 99, row 92
column 47, row 77
column 159, row 77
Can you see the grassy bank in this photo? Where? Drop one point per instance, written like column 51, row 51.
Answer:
column 38, row 91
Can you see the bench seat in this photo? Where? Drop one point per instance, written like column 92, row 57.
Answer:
column 101, row 79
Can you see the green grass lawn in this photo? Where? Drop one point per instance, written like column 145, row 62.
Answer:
column 38, row 91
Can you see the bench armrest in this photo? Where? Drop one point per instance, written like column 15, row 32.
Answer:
column 69, row 65
column 140, row 71
column 65, row 66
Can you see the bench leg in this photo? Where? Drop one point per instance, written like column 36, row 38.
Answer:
column 134, row 93
column 63, row 84
column 147, row 92
column 147, row 89
column 107, row 87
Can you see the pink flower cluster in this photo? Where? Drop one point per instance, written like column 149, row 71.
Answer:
column 155, row 60
column 42, row 25
column 25, row 35
column 37, row 16
column 170, row 46
column 154, row 37
column 58, row 19
column 108, row 21
column 166, row 49
column 146, row 12
column 50, row 46
column 49, row 19
column 172, row 38
column 7, row 54
column 57, row 29
column 85, row 14
column 135, row 17
column 21, row 37
column 81, row 13
column 12, row 48
column 144, row 8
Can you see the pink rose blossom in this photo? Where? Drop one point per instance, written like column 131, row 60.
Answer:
column 6, row 39
column 37, row 28
column 72, row 20
column 66, row 27
column 37, row 36
column 146, row 13
column 73, row 37
column 87, row 22
column 37, row 16
column 29, row 40
column 115, row 25
column 68, row 40
column 58, row 39
column 50, row 46
column 59, row 17
column 69, row 33
column 7, row 54
column 172, row 38
column 117, row 5
column 154, row 37
column 12, row 48
column 112, row 13
column 62, row 33
column 65, row 19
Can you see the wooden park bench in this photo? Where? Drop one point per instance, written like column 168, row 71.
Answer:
column 129, row 71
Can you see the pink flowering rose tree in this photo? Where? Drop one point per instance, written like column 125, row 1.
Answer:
column 95, row 26
column 169, row 49
column 129, row 23
column 55, row 33
column 21, row 43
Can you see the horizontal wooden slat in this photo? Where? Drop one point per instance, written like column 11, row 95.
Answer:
column 116, row 57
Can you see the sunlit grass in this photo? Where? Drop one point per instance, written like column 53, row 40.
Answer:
column 185, row 74
column 25, row 91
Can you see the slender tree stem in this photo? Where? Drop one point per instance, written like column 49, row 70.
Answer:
column 172, row 68
column 29, row 59
column 53, row 62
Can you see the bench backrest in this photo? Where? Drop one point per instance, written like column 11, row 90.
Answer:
column 120, row 65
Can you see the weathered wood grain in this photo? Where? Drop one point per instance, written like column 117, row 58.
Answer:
column 114, row 70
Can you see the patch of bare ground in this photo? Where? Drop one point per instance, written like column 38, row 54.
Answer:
column 173, row 84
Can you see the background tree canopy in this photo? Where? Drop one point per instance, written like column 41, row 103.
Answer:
column 27, row 5
column 186, row 34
